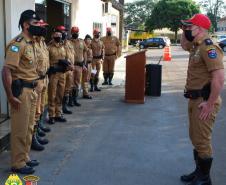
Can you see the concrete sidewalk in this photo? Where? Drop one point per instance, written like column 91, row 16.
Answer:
column 108, row 142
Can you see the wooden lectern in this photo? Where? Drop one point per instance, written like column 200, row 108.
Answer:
column 135, row 77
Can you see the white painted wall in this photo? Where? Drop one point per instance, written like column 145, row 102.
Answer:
column 86, row 12
column 117, row 14
column 14, row 9
column 3, row 102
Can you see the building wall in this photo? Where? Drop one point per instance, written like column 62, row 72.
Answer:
column 14, row 9
column 3, row 103
column 86, row 12
column 221, row 25
column 115, row 29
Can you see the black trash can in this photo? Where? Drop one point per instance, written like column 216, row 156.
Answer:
column 153, row 79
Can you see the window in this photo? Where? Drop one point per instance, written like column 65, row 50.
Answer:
column 99, row 26
column 113, row 20
column 150, row 40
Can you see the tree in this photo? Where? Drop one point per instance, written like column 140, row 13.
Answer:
column 214, row 9
column 136, row 13
column 169, row 13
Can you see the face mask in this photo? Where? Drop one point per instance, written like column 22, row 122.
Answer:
column 43, row 31
column 97, row 36
column 37, row 30
column 109, row 33
column 75, row 35
column 188, row 35
column 57, row 39
column 64, row 36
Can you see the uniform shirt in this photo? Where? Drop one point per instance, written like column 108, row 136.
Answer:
column 57, row 51
column 205, row 57
column 70, row 51
column 21, row 58
column 89, row 54
column 42, row 56
column 97, row 47
column 79, row 48
column 111, row 45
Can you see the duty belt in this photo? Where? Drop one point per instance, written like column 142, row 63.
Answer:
column 30, row 85
column 98, row 57
column 194, row 94
column 80, row 64
column 110, row 54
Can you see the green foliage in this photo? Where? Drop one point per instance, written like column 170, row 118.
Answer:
column 136, row 13
column 215, row 9
column 168, row 13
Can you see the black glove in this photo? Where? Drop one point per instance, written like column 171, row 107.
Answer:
column 64, row 63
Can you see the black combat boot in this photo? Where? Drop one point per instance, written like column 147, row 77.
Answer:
column 70, row 102
column 32, row 163
column 64, row 105
column 110, row 78
column 51, row 120
column 105, row 78
column 26, row 170
column 42, row 125
column 190, row 177
column 91, row 85
column 41, row 140
column 87, row 97
column 96, row 80
column 203, row 175
column 75, row 97
column 35, row 145
column 40, row 132
column 60, row 118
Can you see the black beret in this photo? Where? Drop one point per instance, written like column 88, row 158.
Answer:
column 27, row 15
column 88, row 37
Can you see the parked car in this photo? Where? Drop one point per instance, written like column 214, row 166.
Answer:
column 153, row 42
column 222, row 44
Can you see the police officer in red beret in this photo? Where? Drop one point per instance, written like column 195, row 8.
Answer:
column 205, row 80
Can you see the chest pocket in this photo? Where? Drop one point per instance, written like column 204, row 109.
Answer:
column 81, row 47
column 57, row 53
column 196, row 57
column 28, row 58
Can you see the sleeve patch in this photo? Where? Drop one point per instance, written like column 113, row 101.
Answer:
column 212, row 53
column 15, row 48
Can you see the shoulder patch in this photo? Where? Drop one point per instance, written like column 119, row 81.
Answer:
column 15, row 49
column 208, row 42
column 212, row 53
column 19, row 39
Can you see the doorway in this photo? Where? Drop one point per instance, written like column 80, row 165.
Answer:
column 55, row 12
column 3, row 100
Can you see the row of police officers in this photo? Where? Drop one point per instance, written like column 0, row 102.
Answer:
column 60, row 68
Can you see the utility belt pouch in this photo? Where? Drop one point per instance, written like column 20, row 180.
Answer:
column 206, row 91
column 17, row 87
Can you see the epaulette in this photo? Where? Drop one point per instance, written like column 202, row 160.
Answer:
column 19, row 39
column 208, row 42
